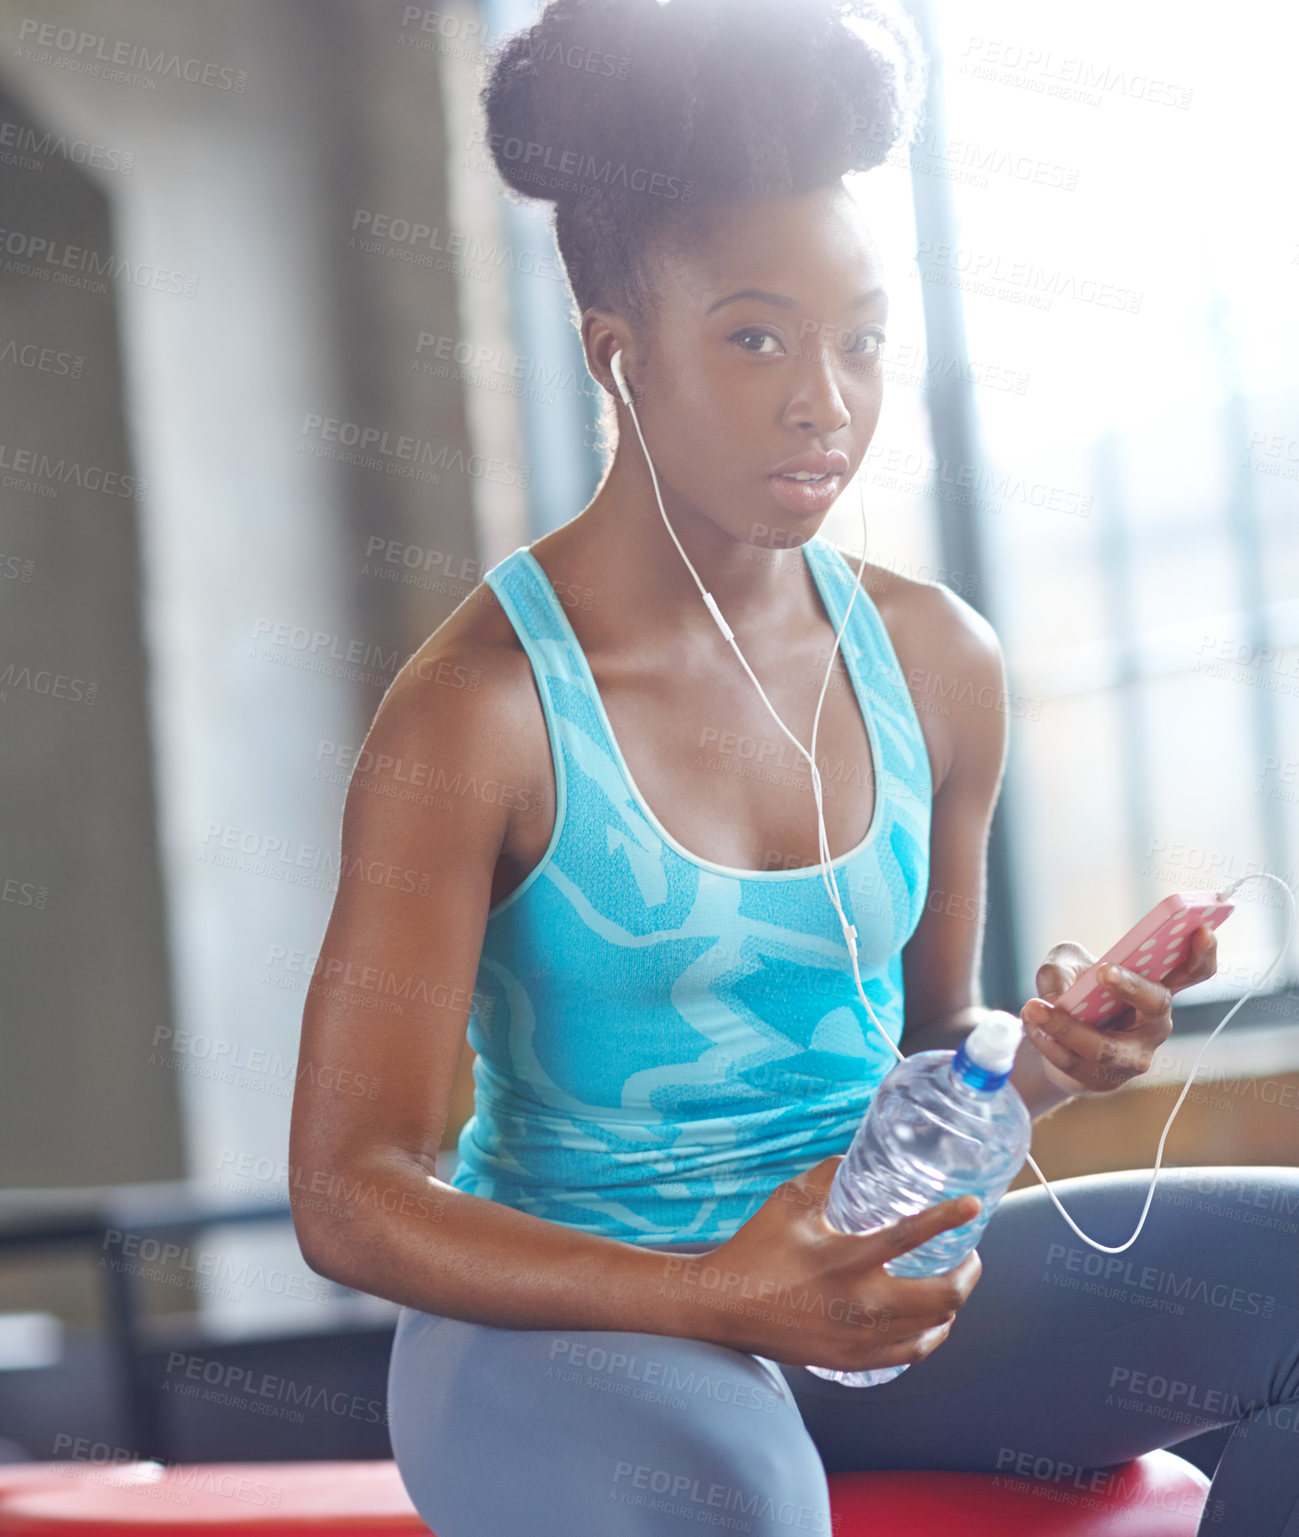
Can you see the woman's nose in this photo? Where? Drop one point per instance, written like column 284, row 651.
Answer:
column 818, row 403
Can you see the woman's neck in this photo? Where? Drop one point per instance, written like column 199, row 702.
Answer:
column 632, row 561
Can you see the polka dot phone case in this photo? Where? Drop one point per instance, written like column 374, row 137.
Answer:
column 1153, row 948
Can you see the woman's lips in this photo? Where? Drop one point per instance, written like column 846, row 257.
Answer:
column 808, row 497
column 805, row 496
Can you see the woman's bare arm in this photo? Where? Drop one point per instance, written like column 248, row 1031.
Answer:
column 940, row 962
column 405, row 933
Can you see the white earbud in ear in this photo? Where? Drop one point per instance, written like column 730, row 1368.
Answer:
column 615, row 365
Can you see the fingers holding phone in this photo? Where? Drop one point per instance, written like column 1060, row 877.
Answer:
column 1085, row 1003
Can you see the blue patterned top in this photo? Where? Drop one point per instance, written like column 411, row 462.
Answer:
column 665, row 1039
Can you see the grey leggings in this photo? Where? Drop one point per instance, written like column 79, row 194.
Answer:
column 1063, row 1363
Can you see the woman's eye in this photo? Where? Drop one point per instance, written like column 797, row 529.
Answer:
column 754, row 331
column 870, row 344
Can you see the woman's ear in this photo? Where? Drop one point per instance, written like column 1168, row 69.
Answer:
column 601, row 335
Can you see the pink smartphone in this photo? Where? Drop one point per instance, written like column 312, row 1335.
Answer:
column 1153, row 948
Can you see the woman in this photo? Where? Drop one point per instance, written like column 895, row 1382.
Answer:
column 623, row 880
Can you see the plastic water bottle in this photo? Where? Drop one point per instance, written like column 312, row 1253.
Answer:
column 942, row 1124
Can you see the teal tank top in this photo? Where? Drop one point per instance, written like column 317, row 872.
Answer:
column 662, row 1040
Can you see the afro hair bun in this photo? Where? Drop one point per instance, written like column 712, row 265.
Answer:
column 726, row 97
column 626, row 113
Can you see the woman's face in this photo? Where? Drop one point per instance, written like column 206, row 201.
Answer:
column 764, row 346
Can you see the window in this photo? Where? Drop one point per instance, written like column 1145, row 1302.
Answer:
column 1128, row 275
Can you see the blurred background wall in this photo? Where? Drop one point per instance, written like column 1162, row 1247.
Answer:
column 282, row 373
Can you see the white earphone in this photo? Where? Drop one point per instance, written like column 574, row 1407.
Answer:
column 827, row 874
column 615, row 363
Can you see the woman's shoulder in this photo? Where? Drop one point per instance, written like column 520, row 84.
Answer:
column 927, row 619
column 951, row 659
column 476, row 632
column 470, row 676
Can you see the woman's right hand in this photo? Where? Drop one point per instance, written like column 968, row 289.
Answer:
column 790, row 1287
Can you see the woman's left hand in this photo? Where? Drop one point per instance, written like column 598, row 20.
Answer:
column 1081, row 1059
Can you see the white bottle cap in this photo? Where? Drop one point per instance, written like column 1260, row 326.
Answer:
column 993, row 1042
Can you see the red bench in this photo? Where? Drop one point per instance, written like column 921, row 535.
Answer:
column 367, row 1499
